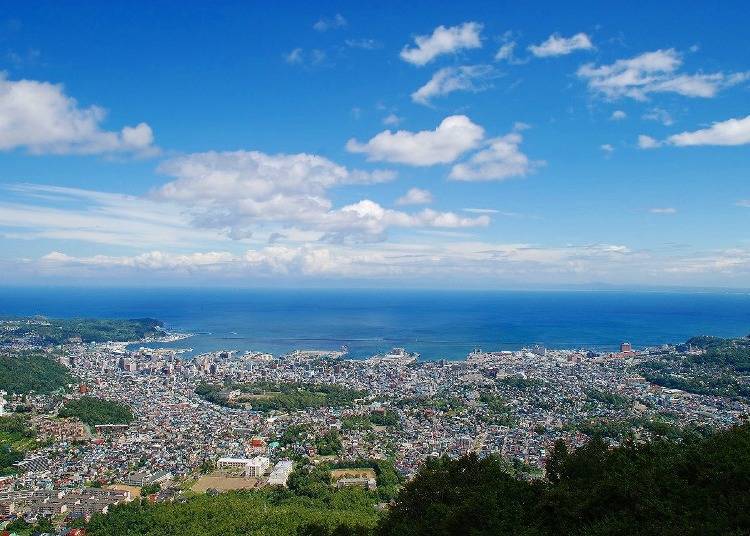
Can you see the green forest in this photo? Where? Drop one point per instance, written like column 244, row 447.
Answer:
column 93, row 411
column 22, row 372
column 45, row 331
column 720, row 370
column 15, row 439
column 263, row 396
column 694, row 485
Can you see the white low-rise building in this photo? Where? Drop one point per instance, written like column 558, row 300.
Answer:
column 280, row 473
column 252, row 467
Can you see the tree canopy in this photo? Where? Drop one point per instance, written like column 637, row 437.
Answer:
column 22, row 372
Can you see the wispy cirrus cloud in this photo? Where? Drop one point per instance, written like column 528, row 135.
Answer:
column 336, row 22
column 654, row 72
column 471, row 78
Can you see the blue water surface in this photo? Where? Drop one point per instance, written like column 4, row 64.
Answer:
column 437, row 324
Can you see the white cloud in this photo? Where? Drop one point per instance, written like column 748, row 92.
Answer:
column 506, row 52
column 41, row 118
column 660, row 115
column 481, row 210
column 473, row 78
column 392, row 119
column 152, row 260
column 300, row 56
column 457, row 260
column 294, row 56
column 454, row 136
column 647, row 142
column 415, row 196
column 333, row 23
column 404, row 261
column 556, row 45
column 663, row 210
column 654, row 72
column 743, row 203
column 364, row 43
column 500, row 160
column 443, row 41
column 242, row 191
column 607, row 148
column 729, row 132
column 73, row 214
column 618, row 115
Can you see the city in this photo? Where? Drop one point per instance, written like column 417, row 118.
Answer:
column 515, row 404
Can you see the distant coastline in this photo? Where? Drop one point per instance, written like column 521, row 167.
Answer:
column 435, row 324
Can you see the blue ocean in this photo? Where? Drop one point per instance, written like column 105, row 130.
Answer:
column 437, row 324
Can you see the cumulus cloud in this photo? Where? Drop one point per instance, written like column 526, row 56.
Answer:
column 556, row 45
column 607, row 148
column 330, row 23
column 472, row 78
column 443, row 41
column 654, row 72
column 454, row 136
column 242, row 190
column 647, row 142
column 392, row 119
column 618, row 115
column 415, row 196
column 408, row 261
column 501, row 159
column 729, row 132
column 41, row 118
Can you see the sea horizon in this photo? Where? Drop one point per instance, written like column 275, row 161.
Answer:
column 437, row 324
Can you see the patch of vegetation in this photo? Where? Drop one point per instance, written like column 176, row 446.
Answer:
column 621, row 429
column 699, row 486
column 47, row 331
column 610, row 399
column 356, row 422
column 278, row 512
column 16, row 438
column 701, row 383
column 264, row 396
column 387, row 478
column 384, row 418
column 93, row 411
column 329, row 443
column 23, row 372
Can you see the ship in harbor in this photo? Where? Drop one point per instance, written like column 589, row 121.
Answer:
column 396, row 356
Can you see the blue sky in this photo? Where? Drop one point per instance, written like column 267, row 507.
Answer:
column 473, row 144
